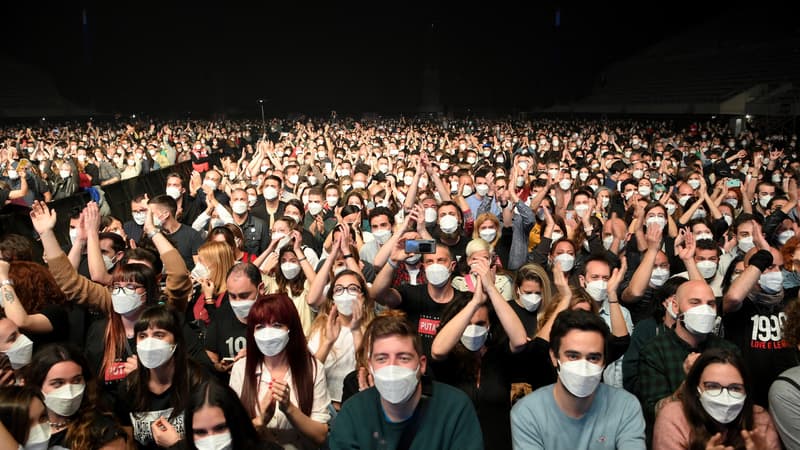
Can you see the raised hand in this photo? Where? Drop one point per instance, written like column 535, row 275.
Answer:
column 653, row 237
column 42, row 217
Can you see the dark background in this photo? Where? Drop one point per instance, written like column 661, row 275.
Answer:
column 221, row 57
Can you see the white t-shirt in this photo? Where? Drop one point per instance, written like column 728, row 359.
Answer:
column 341, row 360
column 279, row 428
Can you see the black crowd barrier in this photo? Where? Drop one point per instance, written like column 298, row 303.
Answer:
column 16, row 219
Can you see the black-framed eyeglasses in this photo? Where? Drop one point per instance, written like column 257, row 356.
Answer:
column 352, row 289
column 735, row 390
column 132, row 286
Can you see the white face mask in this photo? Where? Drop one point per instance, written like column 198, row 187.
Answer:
column 332, row 201
column 73, row 235
column 581, row 209
column 530, row 301
column 707, row 268
column 580, row 377
column 645, row 191
column 605, row 201
column 567, row 261
column 108, row 262
column 694, row 183
column 565, row 184
column 65, row 400
column 200, row 271
column 211, row 184
column 271, row 341
column 252, row 199
column 173, row 192
column 295, row 218
column 474, row 336
column 125, row 300
column 482, row 189
column 437, row 274
column 396, row 384
column 638, row 174
column 344, row 303
column 466, row 191
column 488, row 234
column 583, row 176
column 270, row 193
column 555, row 236
column 658, row 221
column 19, row 354
column 293, row 179
column 784, row 236
column 771, row 282
column 38, row 437
column 221, row 441
column 728, row 219
column 764, row 200
column 64, row 173
column 290, row 270
column 241, row 308
column 699, row 214
column 598, row 290
column 448, row 224
column 746, row 244
column 413, row 259
column 239, row 207
column 700, row 319
column 381, row 236
column 659, row 276
column 139, row 218
column 359, row 185
column 314, row 208
column 154, row 353
column 723, row 408
column 684, row 199
column 734, row 202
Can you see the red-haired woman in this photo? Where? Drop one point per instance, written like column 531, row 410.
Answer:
column 280, row 383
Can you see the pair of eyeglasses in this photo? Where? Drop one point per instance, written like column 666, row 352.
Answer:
column 714, row 389
column 353, row 289
column 133, row 287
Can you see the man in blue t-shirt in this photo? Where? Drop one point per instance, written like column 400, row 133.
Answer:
column 577, row 411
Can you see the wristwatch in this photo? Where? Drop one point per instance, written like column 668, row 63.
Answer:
column 7, row 283
column 153, row 233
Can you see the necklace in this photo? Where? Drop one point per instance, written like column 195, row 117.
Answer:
column 59, row 424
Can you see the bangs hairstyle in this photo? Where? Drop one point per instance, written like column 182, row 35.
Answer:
column 487, row 217
column 15, row 401
column 160, row 316
column 368, row 304
column 390, row 323
column 115, row 339
column 267, row 310
column 294, row 286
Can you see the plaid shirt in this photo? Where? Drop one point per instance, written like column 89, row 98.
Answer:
column 401, row 275
column 661, row 367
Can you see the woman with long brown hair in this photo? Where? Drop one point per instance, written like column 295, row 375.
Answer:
column 280, row 383
column 713, row 408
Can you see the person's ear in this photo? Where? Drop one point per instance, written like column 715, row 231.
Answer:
column 423, row 364
column 582, row 280
column 553, row 358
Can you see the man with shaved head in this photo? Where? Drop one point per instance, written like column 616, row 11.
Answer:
column 753, row 309
column 666, row 360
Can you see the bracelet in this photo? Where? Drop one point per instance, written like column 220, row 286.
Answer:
column 391, row 263
column 299, row 260
column 617, row 301
column 347, row 256
column 7, row 283
column 151, row 234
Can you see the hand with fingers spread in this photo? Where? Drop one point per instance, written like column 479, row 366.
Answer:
column 42, row 217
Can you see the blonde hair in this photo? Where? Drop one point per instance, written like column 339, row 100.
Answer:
column 478, row 245
column 218, row 258
column 476, row 230
column 534, row 272
column 579, row 295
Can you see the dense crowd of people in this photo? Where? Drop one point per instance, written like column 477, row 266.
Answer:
column 403, row 283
